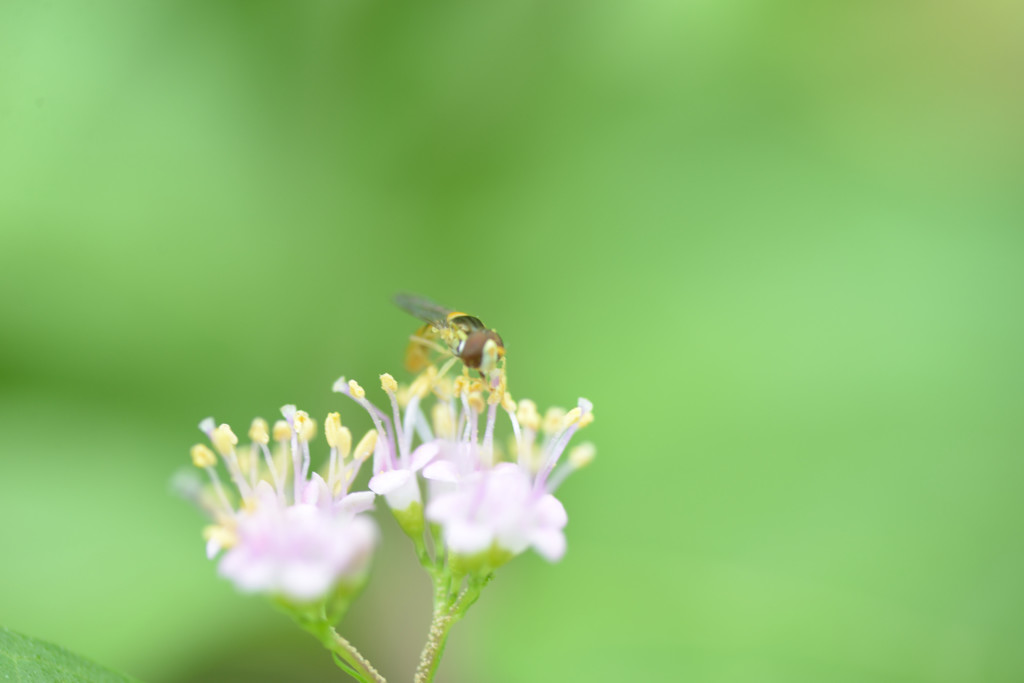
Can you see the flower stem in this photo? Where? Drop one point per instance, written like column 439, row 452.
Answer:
column 345, row 650
column 447, row 611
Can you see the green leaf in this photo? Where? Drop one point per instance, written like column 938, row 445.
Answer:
column 27, row 660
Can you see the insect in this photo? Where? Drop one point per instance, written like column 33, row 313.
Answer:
column 463, row 336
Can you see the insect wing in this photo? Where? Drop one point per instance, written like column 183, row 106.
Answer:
column 423, row 308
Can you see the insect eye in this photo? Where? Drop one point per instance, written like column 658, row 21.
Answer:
column 471, row 349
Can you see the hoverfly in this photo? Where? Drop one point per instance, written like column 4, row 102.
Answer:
column 463, row 336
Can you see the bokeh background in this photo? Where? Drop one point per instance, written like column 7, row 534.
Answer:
column 778, row 244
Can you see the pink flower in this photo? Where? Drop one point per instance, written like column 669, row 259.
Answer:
column 300, row 551
column 500, row 507
column 298, row 539
column 481, row 502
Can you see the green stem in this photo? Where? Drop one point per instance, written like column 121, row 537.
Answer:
column 446, row 613
column 337, row 644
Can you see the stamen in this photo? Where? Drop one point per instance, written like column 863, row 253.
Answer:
column 488, row 452
column 579, row 457
column 424, row 381
column 476, row 401
column 340, row 440
column 389, row 385
column 527, row 415
column 301, row 423
column 489, row 356
column 422, row 428
column 441, row 417
column 472, row 411
column 207, row 425
column 443, row 388
column 357, row 394
column 289, row 413
column 274, row 474
column 552, row 420
column 357, row 391
column 282, row 431
column 366, row 446
column 582, row 455
column 412, row 416
column 222, row 536
column 520, row 455
column 258, row 431
column 224, row 440
column 556, row 443
column 571, row 418
column 203, row 456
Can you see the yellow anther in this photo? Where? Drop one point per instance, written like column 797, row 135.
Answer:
column 443, row 388
column 476, row 401
column 459, row 385
column 305, row 428
column 582, row 455
column 224, row 536
column 441, row 417
column 403, row 395
column 552, row 420
column 245, row 459
column 343, row 441
column 203, row 456
column 477, row 385
column 527, row 415
column 332, row 425
column 507, row 403
column 388, row 383
column 282, row 431
column 366, row 446
column 258, row 431
column 224, row 439
column 571, row 418
column 586, row 419
column 356, row 390
column 421, row 385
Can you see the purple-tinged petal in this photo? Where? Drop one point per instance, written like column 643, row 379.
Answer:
column 424, row 454
column 550, row 512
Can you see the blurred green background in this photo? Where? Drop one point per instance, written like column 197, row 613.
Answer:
column 778, row 244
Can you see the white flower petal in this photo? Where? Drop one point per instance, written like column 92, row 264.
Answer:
column 305, row 581
column 424, row 454
column 399, row 488
column 467, row 538
column 550, row 512
column 386, row 482
column 447, row 507
column 441, row 470
column 357, row 502
column 549, row 544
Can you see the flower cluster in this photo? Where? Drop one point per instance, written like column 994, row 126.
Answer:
column 469, row 499
column 489, row 509
column 286, row 531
